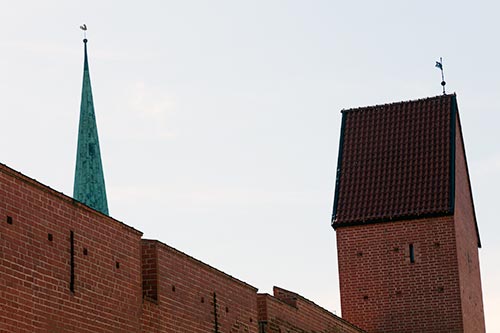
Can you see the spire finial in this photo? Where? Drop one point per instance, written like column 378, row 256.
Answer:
column 439, row 64
column 84, row 28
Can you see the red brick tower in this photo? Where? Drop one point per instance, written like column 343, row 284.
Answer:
column 407, row 235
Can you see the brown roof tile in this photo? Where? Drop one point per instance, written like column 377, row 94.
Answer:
column 396, row 161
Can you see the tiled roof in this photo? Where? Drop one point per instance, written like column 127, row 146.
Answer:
column 396, row 161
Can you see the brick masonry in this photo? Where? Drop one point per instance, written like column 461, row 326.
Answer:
column 289, row 312
column 382, row 291
column 195, row 297
column 105, row 278
column 35, row 271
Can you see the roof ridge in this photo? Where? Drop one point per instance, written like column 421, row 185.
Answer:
column 362, row 108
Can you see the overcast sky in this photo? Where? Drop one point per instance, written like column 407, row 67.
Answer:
column 219, row 120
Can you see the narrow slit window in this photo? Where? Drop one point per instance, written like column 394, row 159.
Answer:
column 72, row 261
column 412, row 254
column 216, row 321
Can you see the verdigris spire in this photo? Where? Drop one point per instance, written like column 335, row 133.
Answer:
column 89, row 185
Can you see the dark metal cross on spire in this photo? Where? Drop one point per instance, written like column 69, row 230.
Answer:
column 439, row 64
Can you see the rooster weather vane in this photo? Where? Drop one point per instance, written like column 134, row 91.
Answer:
column 439, row 64
column 84, row 28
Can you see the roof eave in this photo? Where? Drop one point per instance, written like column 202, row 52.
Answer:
column 352, row 223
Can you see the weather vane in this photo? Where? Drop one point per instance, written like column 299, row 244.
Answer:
column 439, row 64
column 84, row 28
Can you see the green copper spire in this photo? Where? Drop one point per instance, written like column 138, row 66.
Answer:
column 89, row 185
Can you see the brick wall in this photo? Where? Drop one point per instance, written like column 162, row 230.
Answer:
column 36, row 224
column 290, row 312
column 67, row 268
column 382, row 291
column 467, row 244
column 191, row 295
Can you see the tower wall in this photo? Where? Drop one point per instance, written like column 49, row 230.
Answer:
column 467, row 244
column 383, row 291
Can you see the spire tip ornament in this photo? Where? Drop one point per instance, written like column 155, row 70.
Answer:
column 84, row 28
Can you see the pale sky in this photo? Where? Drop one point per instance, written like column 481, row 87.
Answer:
column 219, row 120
